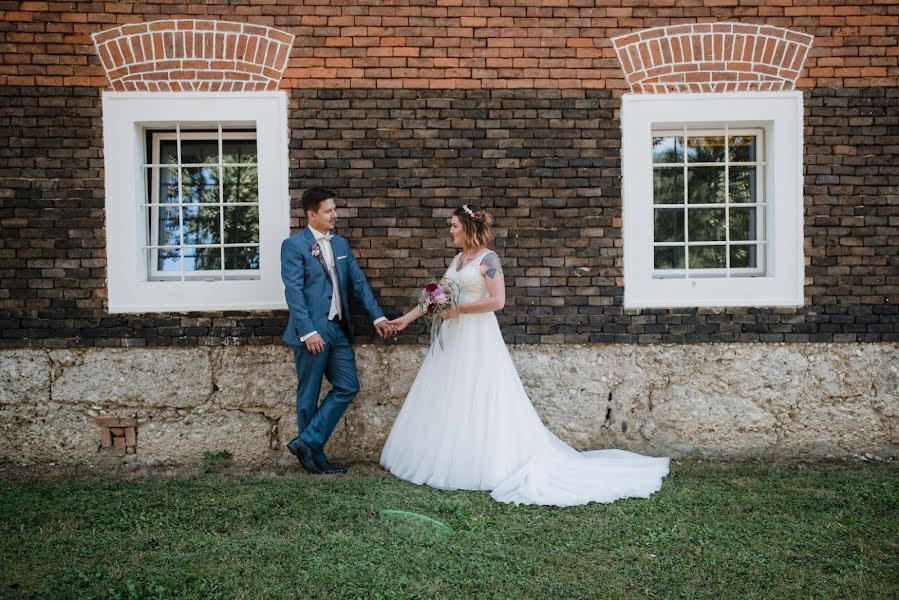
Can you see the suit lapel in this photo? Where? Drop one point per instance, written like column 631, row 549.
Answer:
column 312, row 242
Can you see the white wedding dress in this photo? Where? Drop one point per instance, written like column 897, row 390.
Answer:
column 468, row 424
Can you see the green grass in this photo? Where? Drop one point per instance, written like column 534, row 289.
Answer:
column 713, row 531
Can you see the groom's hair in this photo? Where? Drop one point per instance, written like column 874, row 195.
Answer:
column 315, row 196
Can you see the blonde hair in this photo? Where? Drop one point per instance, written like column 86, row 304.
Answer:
column 476, row 224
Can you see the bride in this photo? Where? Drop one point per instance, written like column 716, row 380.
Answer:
column 467, row 422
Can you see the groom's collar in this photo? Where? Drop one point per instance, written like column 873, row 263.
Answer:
column 316, row 234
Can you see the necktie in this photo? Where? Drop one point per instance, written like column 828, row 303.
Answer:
column 335, row 309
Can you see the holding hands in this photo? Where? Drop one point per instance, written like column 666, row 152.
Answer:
column 385, row 329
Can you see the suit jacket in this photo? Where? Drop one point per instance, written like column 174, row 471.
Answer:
column 308, row 287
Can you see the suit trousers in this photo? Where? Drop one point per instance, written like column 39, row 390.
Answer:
column 337, row 362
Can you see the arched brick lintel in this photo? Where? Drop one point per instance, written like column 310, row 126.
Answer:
column 193, row 55
column 712, row 57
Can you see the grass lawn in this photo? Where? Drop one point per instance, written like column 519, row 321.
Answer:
column 747, row 530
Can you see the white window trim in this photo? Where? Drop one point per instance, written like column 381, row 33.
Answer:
column 780, row 115
column 126, row 115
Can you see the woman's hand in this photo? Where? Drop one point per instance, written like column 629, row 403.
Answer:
column 452, row 313
column 398, row 325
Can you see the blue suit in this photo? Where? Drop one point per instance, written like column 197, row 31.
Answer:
column 308, row 289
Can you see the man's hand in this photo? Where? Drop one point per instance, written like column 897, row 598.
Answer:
column 384, row 329
column 315, row 344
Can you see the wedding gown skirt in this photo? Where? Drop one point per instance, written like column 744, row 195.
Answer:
column 467, row 423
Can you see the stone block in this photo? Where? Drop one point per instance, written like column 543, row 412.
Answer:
column 169, row 437
column 257, row 376
column 24, row 377
column 47, row 433
column 160, row 377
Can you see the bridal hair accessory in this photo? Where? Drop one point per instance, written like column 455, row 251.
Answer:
column 471, row 214
column 435, row 300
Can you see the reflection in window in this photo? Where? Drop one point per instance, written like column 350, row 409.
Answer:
column 203, row 204
column 708, row 204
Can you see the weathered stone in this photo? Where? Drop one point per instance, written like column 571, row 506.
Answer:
column 47, row 433
column 161, row 377
column 24, row 377
column 257, row 376
column 720, row 399
column 716, row 424
column 821, row 428
column 172, row 438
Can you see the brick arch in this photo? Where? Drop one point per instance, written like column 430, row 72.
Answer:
column 712, row 57
column 193, row 55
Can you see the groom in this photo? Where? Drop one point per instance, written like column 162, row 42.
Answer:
column 319, row 274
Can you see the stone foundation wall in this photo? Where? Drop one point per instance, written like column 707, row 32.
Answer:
column 719, row 400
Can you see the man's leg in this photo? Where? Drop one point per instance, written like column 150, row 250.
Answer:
column 310, row 370
column 340, row 370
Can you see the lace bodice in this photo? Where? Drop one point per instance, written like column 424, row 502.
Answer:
column 472, row 285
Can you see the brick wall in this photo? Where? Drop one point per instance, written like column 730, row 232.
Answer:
column 430, row 104
column 454, row 43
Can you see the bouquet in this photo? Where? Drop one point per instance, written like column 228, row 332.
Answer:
column 435, row 300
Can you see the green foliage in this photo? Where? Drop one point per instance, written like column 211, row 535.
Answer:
column 713, row 531
column 212, row 461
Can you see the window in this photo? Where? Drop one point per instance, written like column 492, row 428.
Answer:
column 712, row 200
column 708, row 205
column 203, row 205
column 197, row 201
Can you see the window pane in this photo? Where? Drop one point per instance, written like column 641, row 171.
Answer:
column 201, row 225
column 241, row 184
column 669, row 225
column 742, row 184
column 202, row 259
column 242, row 258
column 168, row 152
column 669, row 257
column 169, row 233
column 168, row 260
column 199, row 185
column 707, row 257
column 705, row 224
column 667, row 150
column 238, row 151
column 705, row 149
column 742, row 148
column 743, row 224
column 168, row 185
column 199, row 152
column 242, row 225
column 743, row 257
column 705, row 185
column 668, row 185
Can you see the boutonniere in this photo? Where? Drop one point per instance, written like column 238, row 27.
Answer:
column 316, row 250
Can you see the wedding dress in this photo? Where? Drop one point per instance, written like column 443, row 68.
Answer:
column 467, row 423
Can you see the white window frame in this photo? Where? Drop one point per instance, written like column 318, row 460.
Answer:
column 126, row 118
column 780, row 115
